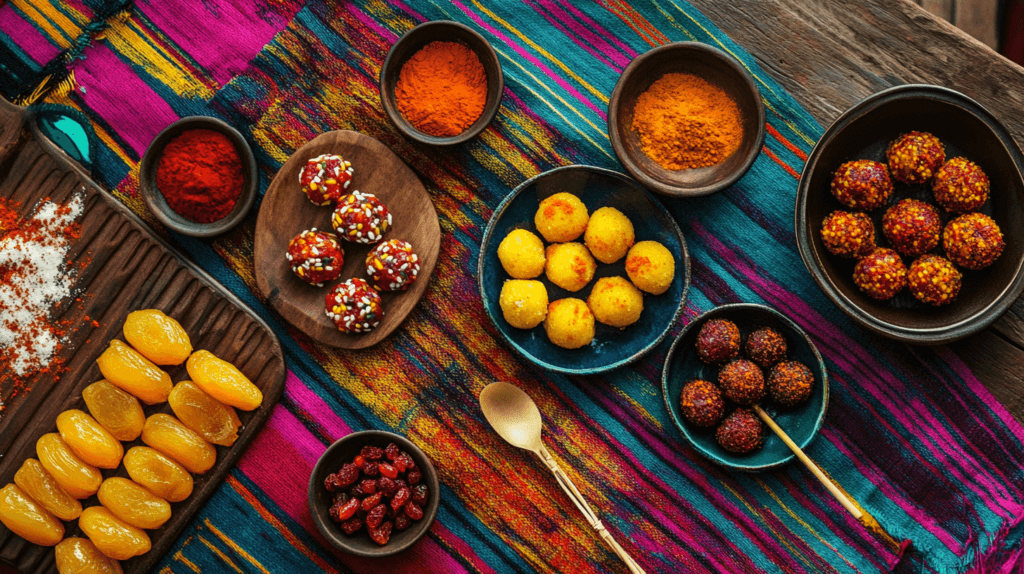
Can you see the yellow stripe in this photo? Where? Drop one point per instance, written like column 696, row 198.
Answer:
column 220, row 554
column 235, row 547
column 760, row 516
column 47, row 16
column 181, row 557
column 127, row 38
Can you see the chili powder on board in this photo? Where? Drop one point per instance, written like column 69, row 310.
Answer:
column 200, row 175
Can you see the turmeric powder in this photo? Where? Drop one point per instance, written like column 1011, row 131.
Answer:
column 686, row 122
column 442, row 89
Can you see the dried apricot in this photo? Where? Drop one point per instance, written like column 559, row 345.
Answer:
column 80, row 556
column 167, row 435
column 26, row 518
column 133, row 504
column 90, row 441
column 223, row 381
column 40, row 486
column 213, row 420
column 111, row 535
column 75, row 476
column 128, row 369
column 119, row 412
column 161, row 475
column 160, row 338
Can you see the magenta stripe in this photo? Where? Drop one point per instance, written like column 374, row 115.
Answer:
column 372, row 24
column 604, row 32
column 318, row 410
column 580, row 34
column 26, row 36
column 965, row 374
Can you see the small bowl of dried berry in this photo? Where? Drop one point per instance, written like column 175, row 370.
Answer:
column 373, row 494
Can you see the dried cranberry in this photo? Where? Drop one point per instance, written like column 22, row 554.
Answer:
column 387, row 486
column 392, row 451
column 419, row 494
column 406, row 461
column 401, row 483
column 387, row 470
column 399, row 463
column 381, row 534
column 342, row 496
column 371, row 469
column 376, row 515
column 359, row 461
column 344, row 511
column 401, row 497
column 414, row 476
column 413, row 510
column 348, row 474
column 368, row 486
column 333, row 483
column 351, row 526
column 355, row 492
column 372, row 453
column 402, row 522
column 371, row 501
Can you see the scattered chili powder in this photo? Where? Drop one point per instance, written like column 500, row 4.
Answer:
column 442, row 89
column 200, row 175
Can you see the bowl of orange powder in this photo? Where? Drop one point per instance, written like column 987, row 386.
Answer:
column 441, row 83
column 686, row 119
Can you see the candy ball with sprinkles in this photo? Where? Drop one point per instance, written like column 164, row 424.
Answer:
column 973, row 241
column 913, row 227
column 355, row 307
column 325, row 178
column 392, row 266
column 848, row 234
column 361, row 218
column 934, row 280
column 862, row 184
column 315, row 256
column 960, row 185
column 915, row 157
column 881, row 275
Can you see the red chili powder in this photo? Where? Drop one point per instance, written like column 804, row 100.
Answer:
column 200, row 175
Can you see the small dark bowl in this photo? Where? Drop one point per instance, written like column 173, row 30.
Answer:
column 409, row 44
column 344, row 450
column 716, row 67
column 801, row 423
column 155, row 200
column 864, row 132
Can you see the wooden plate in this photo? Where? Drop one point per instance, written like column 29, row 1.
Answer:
column 286, row 212
column 126, row 267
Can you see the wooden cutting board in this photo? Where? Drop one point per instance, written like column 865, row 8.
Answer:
column 126, row 267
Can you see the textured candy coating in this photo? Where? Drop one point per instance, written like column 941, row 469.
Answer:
column 524, row 303
column 392, row 265
column 223, row 381
column 914, row 157
column 27, row 518
column 354, row 306
column 973, row 240
column 361, row 218
column 76, row 477
column 790, row 383
column 208, row 417
column 158, row 473
column 111, row 535
column 561, row 217
column 615, row 302
column 881, row 275
column 701, row 403
column 158, row 337
column 325, row 178
column 960, row 185
column 569, row 265
column 609, row 235
column 129, row 370
column 37, row 483
column 766, row 346
column 522, row 254
column 718, row 341
column 315, row 257
column 848, row 234
column 741, row 432
column 934, row 280
column 651, row 267
column 119, row 412
column 167, row 435
column 133, row 504
column 741, row 382
column 862, row 184
column 913, row 227
column 569, row 323
column 89, row 440
column 80, row 556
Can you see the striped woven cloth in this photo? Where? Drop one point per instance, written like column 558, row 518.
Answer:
column 911, row 434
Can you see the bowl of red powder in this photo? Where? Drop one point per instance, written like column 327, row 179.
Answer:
column 198, row 177
column 441, row 83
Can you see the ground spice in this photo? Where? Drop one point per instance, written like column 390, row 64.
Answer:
column 200, row 175
column 685, row 122
column 442, row 89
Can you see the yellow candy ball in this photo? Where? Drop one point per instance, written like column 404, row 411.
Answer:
column 651, row 267
column 522, row 254
column 569, row 324
column 616, row 302
column 609, row 235
column 523, row 303
column 561, row 217
column 569, row 265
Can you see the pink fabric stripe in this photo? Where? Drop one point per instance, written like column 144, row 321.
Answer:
column 26, row 36
column 318, row 410
column 590, row 32
column 979, row 389
column 372, row 24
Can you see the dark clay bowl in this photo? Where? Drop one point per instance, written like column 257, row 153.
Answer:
column 716, row 67
column 801, row 423
column 409, row 44
column 344, row 450
column 864, row 132
column 155, row 200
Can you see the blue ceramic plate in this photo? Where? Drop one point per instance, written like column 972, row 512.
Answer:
column 597, row 188
column 800, row 423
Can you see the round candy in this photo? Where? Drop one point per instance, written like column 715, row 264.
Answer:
column 913, row 227
column 615, row 302
column 973, row 241
column 881, row 274
column 915, row 157
column 741, row 432
column 522, row 254
column 960, row 185
column 718, row 340
column 766, row 347
column 741, row 382
column 315, row 256
column 569, row 265
column 933, row 280
column 392, row 265
column 701, row 403
column 524, row 303
column 325, row 178
column 354, row 306
column 609, row 235
column 569, row 323
column 651, row 267
column 790, row 383
column 561, row 217
column 862, row 184
column 361, row 218
column 848, row 234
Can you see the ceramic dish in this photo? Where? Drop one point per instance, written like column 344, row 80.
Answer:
column 716, row 67
column 597, row 188
column 864, row 132
column 409, row 44
column 800, row 423
column 155, row 200
column 320, row 500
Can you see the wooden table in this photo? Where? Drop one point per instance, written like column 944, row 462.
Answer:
column 832, row 53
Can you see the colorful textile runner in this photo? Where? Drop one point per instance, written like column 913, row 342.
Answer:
column 911, row 434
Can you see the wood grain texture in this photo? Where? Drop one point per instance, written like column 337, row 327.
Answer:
column 126, row 268
column 286, row 212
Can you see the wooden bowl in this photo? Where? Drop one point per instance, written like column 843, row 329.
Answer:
column 409, row 44
column 801, row 423
column 716, row 67
column 344, row 450
column 155, row 200
column 864, row 132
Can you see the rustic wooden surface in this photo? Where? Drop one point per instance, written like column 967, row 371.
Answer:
column 286, row 212
column 126, row 268
column 832, row 53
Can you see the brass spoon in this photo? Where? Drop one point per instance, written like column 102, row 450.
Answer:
column 516, row 418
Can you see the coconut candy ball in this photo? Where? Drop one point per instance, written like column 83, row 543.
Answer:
column 615, row 302
column 790, row 383
column 325, row 178
column 862, row 184
column 960, row 185
column 522, row 254
column 973, row 240
column 848, row 234
column 741, row 382
column 881, row 274
column 766, row 347
column 701, row 403
column 569, row 265
column 361, row 218
column 651, row 267
column 524, row 303
column 609, row 235
column 561, row 217
column 915, row 157
column 392, row 265
column 741, row 432
column 569, row 323
column 354, row 306
column 913, row 227
column 934, row 280
column 315, row 256
column 718, row 341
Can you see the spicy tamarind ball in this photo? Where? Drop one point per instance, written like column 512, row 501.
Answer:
column 862, row 184
column 914, row 157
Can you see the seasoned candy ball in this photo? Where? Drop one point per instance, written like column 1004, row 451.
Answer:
column 616, row 302
column 766, row 347
column 569, row 265
column 741, row 382
column 718, row 341
column 522, row 254
column 973, row 241
column 651, row 267
column 960, row 185
column 392, row 266
column 790, row 383
column 741, row 432
column 609, row 235
column 569, row 323
column 881, row 275
column 915, row 157
column 361, row 218
column 561, row 217
column 913, row 227
column 354, row 306
column 325, row 178
column 315, row 256
column 933, row 280
column 701, row 403
column 524, row 303
column 862, row 184
column 848, row 234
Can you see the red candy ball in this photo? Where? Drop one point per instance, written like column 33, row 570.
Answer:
column 354, row 306
column 862, row 184
column 325, row 178
column 913, row 227
column 960, row 185
column 741, row 432
column 973, row 241
column 914, row 157
column 392, row 265
column 848, row 234
column 934, row 280
column 701, row 403
column 315, row 256
column 361, row 218
column 881, row 274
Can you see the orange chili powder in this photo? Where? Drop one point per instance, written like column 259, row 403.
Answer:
column 442, row 89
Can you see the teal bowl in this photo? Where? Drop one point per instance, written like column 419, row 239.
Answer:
column 596, row 187
column 801, row 423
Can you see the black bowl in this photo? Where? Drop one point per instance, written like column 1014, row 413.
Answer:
column 716, row 67
column 409, row 44
column 864, row 132
column 344, row 450
column 155, row 200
